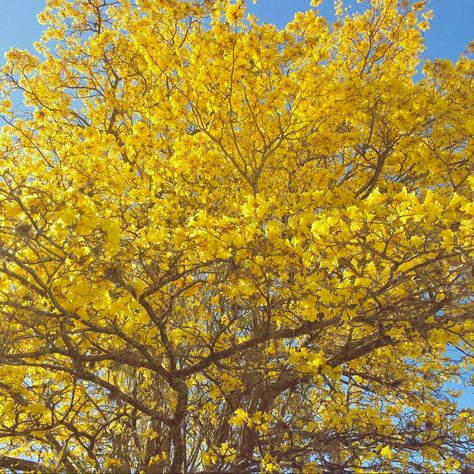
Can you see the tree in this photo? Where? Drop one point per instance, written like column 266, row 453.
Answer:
column 231, row 247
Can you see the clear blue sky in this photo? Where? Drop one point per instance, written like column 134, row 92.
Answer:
column 451, row 29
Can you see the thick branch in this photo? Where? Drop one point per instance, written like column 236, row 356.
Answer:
column 17, row 464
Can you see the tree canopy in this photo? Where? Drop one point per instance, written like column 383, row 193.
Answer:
column 226, row 246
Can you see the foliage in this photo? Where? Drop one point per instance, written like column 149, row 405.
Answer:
column 231, row 247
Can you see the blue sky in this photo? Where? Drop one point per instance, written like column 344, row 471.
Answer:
column 450, row 33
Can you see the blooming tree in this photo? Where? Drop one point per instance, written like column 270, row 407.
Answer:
column 230, row 247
